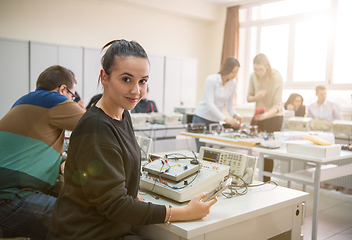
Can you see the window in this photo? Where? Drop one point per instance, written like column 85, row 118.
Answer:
column 308, row 41
column 274, row 44
column 311, row 49
column 343, row 44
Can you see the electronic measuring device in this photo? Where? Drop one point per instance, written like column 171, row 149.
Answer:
column 179, row 176
column 241, row 165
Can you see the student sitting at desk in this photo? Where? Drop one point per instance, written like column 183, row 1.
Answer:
column 31, row 141
column 219, row 91
column 100, row 198
column 295, row 102
column 145, row 105
column 324, row 109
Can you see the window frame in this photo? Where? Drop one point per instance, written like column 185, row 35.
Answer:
column 291, row 20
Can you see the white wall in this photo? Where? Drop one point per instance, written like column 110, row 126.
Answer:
column 92, row 23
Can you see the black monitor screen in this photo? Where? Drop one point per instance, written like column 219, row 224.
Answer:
column 211, row 156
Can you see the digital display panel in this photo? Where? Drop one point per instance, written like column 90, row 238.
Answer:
column 211, row 156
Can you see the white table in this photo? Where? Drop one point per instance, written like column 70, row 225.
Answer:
column 219, row 140
column 319, row 174
column 264, row 212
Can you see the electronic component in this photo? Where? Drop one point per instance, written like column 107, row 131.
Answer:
column 341, row 126
column 140, row 119
column 347, row 147
column 155, row 117
column 175, row 170
column 173, row 118
column 196, row 127
column 144, row 143
column 219, row 189
column 205, row 177
column 300, row 123
column 241, row 165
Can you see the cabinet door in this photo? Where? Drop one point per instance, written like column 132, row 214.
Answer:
column 156, row 81
column 14, row 72
column 42, row 55
column 180, row 83
column 71, row 58
column 189, row 83
column 91, row 71
column 172, row 91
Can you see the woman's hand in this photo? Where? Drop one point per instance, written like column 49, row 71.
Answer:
column 231, row 121
column 140, row 197
column 261, row 117
column 197, row 209
column 194, row 210
column 267, row 114
column 238, row 118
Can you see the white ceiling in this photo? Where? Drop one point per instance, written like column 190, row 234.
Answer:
column 207, row 10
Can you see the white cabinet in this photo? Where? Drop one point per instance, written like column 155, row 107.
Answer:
column 180, row 83
column 172, row 81
column 14, row 72
column 156, row 81
column 43, row 55
column 91, row 71
column 71, row 58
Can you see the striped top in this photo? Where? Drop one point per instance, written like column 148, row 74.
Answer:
column 31, row 142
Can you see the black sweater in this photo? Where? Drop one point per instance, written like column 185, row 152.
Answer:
column 102, row 174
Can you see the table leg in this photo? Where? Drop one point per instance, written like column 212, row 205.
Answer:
column 290, row 169
column 316, row 201
column 261, row 166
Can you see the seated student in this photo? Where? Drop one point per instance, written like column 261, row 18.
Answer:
column 324, row 109
column 93, row 100
column 145, row 105
column 100, row 198
column 31, row 141
column 295, row 102
column 77, row 97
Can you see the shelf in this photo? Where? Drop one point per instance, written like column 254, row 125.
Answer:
column 329, row 171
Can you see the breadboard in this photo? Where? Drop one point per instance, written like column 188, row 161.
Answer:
column 205, row 180
column 175, row 170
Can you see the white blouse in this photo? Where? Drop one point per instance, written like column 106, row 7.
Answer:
column 215, row 98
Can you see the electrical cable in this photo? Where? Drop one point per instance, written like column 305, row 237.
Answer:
column 166, row 161
column 234, row 188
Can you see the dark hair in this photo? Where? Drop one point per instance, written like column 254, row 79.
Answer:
column 120, row 48
column 54, row 77
column 228, row 65
column 93, row 100
column 292, row 98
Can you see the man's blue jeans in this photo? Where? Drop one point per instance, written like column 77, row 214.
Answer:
column 29, row 216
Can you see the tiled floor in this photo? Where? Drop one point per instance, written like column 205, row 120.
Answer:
column 335, row 214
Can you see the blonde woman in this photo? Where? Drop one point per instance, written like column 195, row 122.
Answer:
column 265, row 89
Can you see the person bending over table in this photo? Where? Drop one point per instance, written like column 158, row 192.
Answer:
column 219, row 91
column 31, row 143
column 265, row 89
column 100, row 198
